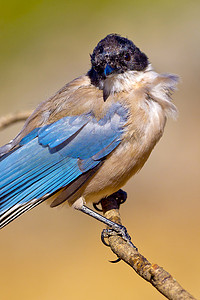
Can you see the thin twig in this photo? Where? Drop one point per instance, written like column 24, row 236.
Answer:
column 154, row 274
column 13, row 118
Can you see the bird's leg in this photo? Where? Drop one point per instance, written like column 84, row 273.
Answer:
column 117, row 228
column 114, row 227
column 109, row 203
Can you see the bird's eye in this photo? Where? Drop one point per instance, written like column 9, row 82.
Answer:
column 127, row 57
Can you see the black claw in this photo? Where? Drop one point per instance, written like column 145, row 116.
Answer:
column 103, row 236
column 115, row 261
column 96, row 207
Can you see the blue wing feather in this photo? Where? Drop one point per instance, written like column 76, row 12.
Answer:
column 29, row 137
column 55, row 134
column 53, row 156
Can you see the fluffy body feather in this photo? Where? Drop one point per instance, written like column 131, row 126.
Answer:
column 78, row 147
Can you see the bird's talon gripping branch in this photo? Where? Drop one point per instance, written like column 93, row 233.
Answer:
column 109, row 203
column 104, row 234
column 121, row 231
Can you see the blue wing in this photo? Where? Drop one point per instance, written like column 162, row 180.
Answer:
column 54, row 156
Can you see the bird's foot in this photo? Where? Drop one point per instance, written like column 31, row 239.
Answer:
column 116, row 230
column 121, row 231
column 115, row 200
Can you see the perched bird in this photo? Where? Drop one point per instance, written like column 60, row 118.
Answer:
column 86, row 141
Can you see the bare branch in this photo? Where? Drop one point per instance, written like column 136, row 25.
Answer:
column 13, row 118
column 154, row 274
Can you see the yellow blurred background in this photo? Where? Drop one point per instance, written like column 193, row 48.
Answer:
column 56, row 253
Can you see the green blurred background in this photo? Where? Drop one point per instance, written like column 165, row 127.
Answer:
column 56, row 253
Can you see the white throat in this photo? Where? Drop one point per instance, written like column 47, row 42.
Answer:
column 157, row 87
column 116, row 83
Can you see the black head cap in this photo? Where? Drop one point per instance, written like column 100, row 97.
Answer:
column 115, row 54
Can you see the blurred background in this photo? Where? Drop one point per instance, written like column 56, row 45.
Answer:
column 57, row 253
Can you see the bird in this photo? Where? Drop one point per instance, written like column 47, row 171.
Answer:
column 85, row 142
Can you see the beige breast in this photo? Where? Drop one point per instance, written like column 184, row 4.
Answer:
column 144, row 128
column 147, row 97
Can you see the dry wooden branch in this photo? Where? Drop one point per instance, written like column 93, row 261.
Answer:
column 13, row 118
column 154, row 274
